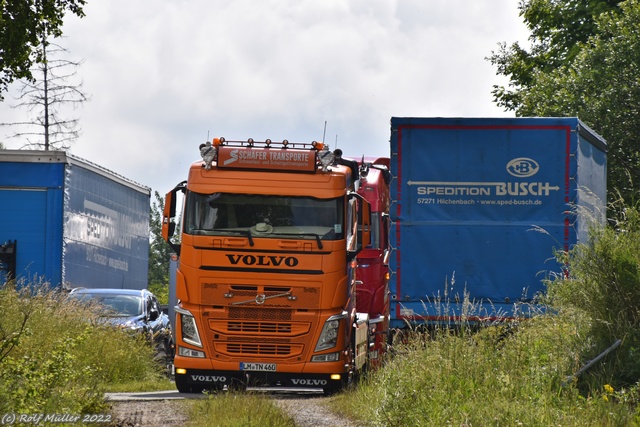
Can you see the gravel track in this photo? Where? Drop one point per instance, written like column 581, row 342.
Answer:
column 148, row 409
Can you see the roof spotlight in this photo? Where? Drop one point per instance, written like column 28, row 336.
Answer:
column 250, row 142
column 285, row 142
column 268, row 142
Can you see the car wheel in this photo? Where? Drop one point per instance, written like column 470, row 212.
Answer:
column 164, row 357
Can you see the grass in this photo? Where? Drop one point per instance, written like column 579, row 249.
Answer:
column 56, row 356
column 502, row 375
column 499, row 376
column 153, row 383
column 234, row 409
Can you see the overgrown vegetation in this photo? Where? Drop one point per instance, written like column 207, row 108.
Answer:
column 604, row 287
column 236, row 409
column 505, row 375
column 56, row 356
column 524, row 373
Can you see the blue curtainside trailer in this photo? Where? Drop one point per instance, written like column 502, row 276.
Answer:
column 479, row 207
column 71, row 223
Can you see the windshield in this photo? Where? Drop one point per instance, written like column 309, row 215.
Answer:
column 264, row 216
column 118, row 305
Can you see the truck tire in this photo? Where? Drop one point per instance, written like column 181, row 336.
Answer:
column 183, row 386
column 334, row 388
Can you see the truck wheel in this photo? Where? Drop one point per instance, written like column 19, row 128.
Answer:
column 213, row 388
column 334, row 388
column 184, row 387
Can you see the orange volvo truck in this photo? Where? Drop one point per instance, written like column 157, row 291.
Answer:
column 266, row 277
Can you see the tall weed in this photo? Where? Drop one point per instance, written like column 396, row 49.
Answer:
column 604, row 285
column 504, row 375
column 238, row 410
column 56, row 355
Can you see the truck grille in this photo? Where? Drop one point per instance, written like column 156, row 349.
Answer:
column 259, row 327
column 259, row 349
column 276, row 296
column 244, row 327
column 259, row 314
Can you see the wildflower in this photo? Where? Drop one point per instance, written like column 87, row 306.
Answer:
column 608, row 389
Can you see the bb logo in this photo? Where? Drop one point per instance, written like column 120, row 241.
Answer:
column 523, row 167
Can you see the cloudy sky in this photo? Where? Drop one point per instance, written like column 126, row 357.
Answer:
column 162, row 75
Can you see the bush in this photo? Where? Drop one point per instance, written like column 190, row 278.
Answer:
column 604, row 285
column 502, row 375
column 55, row 355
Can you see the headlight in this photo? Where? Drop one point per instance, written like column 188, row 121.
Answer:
column 133, row 326
column 329, row 336
column 190, row 333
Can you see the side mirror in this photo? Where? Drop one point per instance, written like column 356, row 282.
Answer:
column 168, row 226
column 361, row 215
column 168, row 215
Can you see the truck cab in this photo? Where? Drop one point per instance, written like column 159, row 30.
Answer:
column 266, row 278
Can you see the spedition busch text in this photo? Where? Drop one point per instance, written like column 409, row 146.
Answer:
column 485, row 189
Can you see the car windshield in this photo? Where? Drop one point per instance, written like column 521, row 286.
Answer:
column 117, row 305
column 264, row 216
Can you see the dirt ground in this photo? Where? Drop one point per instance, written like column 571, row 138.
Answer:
column 307, row 411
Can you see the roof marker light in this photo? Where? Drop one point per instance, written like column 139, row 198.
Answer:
column 317, row 145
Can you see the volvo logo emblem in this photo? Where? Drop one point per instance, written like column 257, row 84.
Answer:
column 260, row 298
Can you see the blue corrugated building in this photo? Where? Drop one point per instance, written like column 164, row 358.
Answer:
column 71, row 223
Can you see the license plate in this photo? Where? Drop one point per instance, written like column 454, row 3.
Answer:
column 268, row 367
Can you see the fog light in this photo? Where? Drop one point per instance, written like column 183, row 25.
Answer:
column 187, row 352
column 331, row 357
column 181, row 371
column 335, row 377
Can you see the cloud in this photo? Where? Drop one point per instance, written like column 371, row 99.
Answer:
column 164, row 76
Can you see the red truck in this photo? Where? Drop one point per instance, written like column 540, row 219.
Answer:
column 372, row 272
